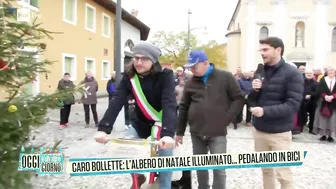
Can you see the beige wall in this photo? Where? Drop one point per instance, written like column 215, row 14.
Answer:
column 233, row 52
column 332, row 19
column 234, row 41
column 75, row 39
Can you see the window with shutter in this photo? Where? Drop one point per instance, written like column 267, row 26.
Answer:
column 70, row 11
column 90, row 18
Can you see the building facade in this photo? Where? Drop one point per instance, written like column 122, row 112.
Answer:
column 308, row 32
column 85, row 39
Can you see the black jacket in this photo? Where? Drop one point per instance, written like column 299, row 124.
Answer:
column 310, row 88
column 64, row 85
column 209, row 108
column 280, row 97
column 159, row 91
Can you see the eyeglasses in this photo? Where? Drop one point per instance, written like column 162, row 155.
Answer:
column 142, row 59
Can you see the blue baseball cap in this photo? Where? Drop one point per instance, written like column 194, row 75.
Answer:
column 195, row 57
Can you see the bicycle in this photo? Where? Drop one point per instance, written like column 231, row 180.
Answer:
column 140, row 143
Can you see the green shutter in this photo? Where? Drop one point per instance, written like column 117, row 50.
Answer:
column 69, row 9
column 106, row 25
column 105, row 70
column 89, row 65
column 89, row 18
column 68, row 65
column 35, row 3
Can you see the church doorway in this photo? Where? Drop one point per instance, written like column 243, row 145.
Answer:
column 298, row 64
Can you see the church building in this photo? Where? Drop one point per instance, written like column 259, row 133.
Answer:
column 307, row 27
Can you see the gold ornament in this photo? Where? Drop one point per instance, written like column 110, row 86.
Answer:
column 12, row 108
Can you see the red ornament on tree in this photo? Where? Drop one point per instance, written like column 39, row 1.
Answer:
column 55, row 98
column 3, row 65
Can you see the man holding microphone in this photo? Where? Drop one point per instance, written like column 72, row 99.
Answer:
column 274, row 100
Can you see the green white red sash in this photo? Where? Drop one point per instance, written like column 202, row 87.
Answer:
column 146, row 108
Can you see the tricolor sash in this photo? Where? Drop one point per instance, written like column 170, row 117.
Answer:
column 146, row 108
column 151, row 114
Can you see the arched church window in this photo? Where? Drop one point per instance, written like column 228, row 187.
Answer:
column 333, row 40
column 300, row 34
column 263, row 33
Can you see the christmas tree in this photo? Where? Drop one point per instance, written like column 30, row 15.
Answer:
column 20, row 112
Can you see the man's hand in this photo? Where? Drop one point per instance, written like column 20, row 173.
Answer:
column 166, row 142
column 257, row 111
column 178, row 140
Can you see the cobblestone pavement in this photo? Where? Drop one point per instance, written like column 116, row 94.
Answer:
column 317, row 172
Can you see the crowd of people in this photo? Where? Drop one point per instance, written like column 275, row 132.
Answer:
column 278, row 98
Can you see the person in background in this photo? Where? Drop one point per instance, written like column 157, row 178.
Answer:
column 128, row 110
column 245, row 84
column 179, row 90
column 89, row 98
column 325, row 115
column 68, row 101
column 325, row 73
column 110, row 86
column 238, row 73
column 276, row 99
column 208, row 115
column 302, row 69
column 317, row 73
column 179, row 74
column 309, row 105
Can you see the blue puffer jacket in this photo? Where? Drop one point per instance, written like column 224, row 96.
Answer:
column 245, row 85
column 280, row 96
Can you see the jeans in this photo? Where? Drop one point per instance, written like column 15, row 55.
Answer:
column 216, row 145
column 87, row 113
column 65, row 113
column 165, row 177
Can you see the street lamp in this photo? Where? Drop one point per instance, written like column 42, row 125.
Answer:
column 191, row 29
column 117, row 42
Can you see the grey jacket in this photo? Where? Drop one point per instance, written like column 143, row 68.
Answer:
column 66, row 84
column 90, row 97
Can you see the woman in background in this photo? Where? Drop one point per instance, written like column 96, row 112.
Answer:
column 325, row 115
column 89, row 99
column 68, row 101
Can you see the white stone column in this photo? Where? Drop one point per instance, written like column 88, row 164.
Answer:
column 279, row 18
column 321, row 35
column 250, row 36
column 119, row 124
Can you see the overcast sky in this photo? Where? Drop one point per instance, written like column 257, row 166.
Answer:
column 172, row 15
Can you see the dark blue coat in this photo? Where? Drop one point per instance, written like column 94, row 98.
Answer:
column 280, row 97
column 245, row 85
